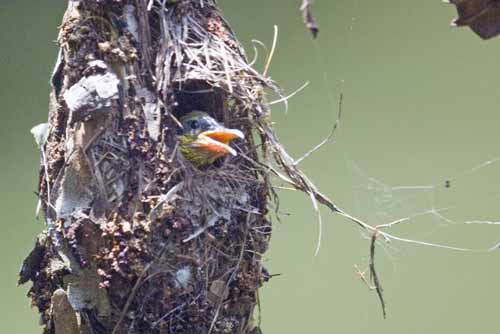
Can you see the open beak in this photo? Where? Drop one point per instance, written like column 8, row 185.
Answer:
column 217, row 141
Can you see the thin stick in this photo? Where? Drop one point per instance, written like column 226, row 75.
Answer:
column 328, row 138
column 231, row 278
column 374, row 276
column 271, row 54
column 130, row 298
column 286, row 98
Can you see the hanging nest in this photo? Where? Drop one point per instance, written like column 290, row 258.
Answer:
column 138, row 240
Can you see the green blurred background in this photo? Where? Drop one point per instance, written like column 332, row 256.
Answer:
column 420, row 107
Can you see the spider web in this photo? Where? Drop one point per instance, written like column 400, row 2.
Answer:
column 426, row 210
column 436, row 214
column 421, row 211
column 417, row 213
column 393, row 215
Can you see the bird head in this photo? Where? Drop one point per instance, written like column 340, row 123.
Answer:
column 202, row 139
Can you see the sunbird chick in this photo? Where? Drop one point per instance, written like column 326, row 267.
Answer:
column 202, row 140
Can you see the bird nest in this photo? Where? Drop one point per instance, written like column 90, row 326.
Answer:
column 138, row 239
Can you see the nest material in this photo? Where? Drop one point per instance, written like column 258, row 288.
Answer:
column 139, row 241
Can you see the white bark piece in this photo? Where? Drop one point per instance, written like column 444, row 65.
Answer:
column 91, row 94
column 40, row 132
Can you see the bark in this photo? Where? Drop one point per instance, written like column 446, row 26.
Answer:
column 138, row 240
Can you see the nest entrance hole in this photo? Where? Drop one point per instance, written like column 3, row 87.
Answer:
column 198, row 95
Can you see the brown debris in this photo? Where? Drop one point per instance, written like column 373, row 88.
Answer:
column 481, row 16
column 308, row 17
column 32, row 264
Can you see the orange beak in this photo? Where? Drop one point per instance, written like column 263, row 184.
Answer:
column 217, row 141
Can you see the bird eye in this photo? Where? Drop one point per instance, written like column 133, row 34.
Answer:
column 194, row 124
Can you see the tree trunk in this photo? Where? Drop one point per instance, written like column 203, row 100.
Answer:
column 138, row 240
